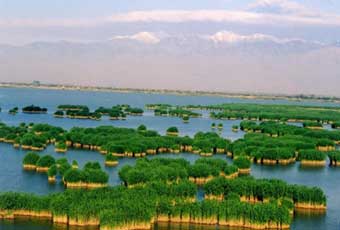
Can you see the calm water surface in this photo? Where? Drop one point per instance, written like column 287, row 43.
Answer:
column 13, row 178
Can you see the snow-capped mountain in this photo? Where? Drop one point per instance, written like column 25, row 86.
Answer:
column 221, row 61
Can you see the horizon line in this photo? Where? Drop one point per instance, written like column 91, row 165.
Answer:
column 188, row 92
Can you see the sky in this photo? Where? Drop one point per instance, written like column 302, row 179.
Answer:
column 23, row 22
column 288, row 46
column 90, row 8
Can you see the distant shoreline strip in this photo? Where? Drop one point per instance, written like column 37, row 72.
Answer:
column 172, row 92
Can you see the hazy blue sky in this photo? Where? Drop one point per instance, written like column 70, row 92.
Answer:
column 84, row 8
column 88, row 20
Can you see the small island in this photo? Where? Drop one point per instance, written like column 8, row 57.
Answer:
column 83, row 114
column 334, row 158
column 30, row 161
column 75, row 164
column 230, row 171
column 51, row 173
column 134, row 111
column 13, row 111
column 44, row 163
column 231, row 202
column 90, row 177
column 172, row 111
column 205, row 170
column 32, row 109
column 117, row 112
column 243, row 164
column 59, row 114
column 111, row 160
column 235, row 128
column 185, row 119
column 172, row 131
column 312, row 158
column 68, row 107
column 252, row 190
column 60, row 147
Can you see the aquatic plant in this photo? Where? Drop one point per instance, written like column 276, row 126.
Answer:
column 31, row 158
column 46, row 161
column 242, row 162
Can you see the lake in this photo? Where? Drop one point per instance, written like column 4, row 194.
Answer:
column 13, row 178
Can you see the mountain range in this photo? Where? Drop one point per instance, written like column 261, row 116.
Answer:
column 223, row 62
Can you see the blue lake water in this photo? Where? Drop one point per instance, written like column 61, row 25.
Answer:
column 13, row 178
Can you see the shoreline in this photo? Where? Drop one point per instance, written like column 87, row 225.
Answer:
column 249, row 96
column 84, row 223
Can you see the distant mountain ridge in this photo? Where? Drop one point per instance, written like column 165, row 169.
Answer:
column 174, row 44
column 241, row 63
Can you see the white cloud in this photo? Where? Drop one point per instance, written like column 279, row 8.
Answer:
column 231, row 37
column 177, row 16
column 180, row 16
column 281, row 7
column 144, row 37
column 246, row 17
